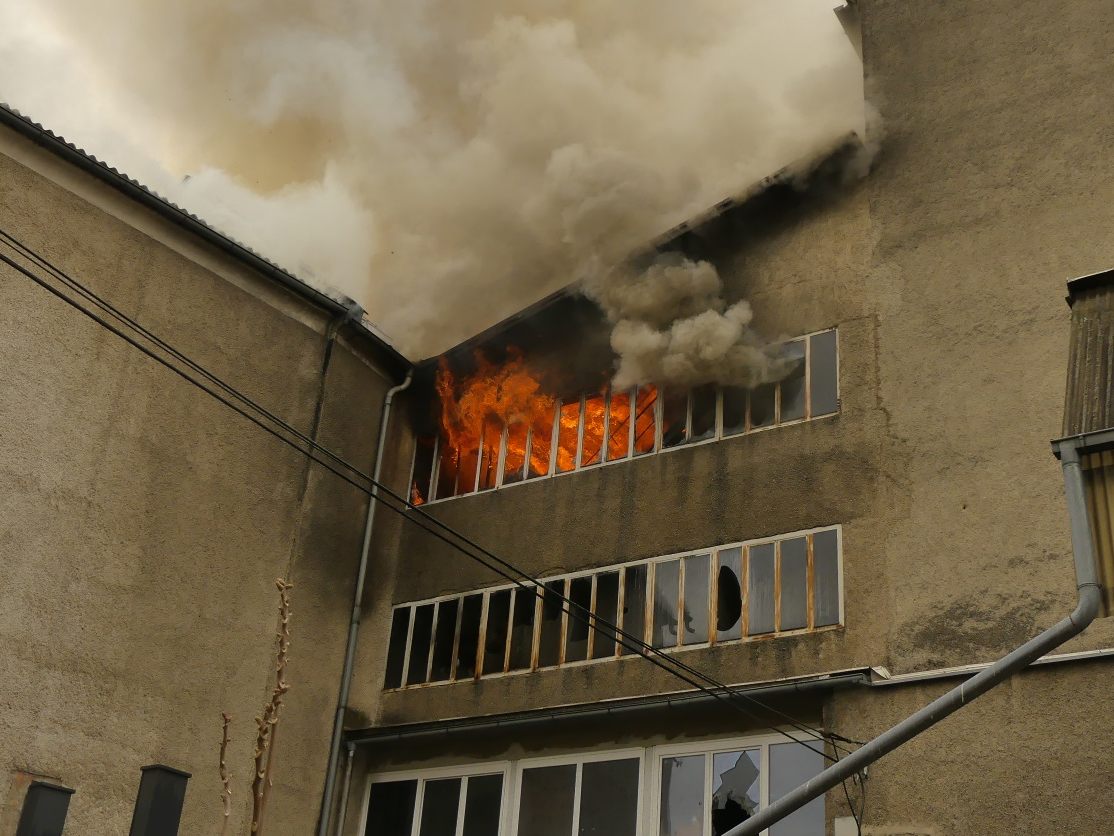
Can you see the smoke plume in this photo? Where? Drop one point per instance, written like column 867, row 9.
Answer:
column 445, row 163
column 672, row 324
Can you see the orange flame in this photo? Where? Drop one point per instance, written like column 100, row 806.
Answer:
column 476, row 409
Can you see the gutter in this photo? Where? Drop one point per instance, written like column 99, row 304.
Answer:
column 598, row 710
column 885, row 678
column 168, row 211
column 1090, row 602
column 357, row 611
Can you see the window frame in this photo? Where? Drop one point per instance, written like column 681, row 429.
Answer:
column 631, row 392
column 579, row 759
column 424, row 775
column 709, row 748
column 649, row 776
column 651, row 565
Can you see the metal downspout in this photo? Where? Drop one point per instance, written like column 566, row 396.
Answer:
column 354, row 622
column 1088, row 606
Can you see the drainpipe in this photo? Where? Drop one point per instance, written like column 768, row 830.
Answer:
column 1088, row 606
column 354, row 622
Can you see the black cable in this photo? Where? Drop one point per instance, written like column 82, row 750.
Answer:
column 625, row 640
column 638, row 645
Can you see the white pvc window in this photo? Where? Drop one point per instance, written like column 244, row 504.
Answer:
column 463, row 801
column 705, row 790
column 617, row 425
column 735, row 592
column 691, row 789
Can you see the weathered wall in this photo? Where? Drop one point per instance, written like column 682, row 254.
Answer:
column 1015, row 761
column 944, row 271
column 143, row 524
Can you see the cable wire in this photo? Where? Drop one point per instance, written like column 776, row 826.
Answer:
column 581, row 613
column 404, row 507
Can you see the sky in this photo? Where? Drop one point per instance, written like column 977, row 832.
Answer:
column 443, row 163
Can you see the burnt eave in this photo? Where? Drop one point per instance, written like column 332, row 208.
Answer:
column 796, row 172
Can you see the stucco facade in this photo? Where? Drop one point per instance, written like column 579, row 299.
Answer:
column 944, row 272
column 144, row 523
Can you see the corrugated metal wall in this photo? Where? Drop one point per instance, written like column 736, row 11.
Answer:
column 1089, row 402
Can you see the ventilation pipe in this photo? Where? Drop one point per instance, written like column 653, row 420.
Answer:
column 1088, row 445
column 354, row 621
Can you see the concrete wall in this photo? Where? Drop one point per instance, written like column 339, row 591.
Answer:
column 143, row 524
column 944, row 271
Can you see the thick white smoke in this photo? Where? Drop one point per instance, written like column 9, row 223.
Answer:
column 445, row 163
column 672, row 324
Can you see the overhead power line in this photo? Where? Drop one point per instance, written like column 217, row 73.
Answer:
column 375, row 490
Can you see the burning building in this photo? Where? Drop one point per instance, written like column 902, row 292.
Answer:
column 755, row 546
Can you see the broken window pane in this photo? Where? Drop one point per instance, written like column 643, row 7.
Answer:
column 822, row 348
column 618, row 426
column 423, row 470
column 794, row 584
column 634, row 606
column 760, row 589
column 609, row 798
column 522, row 629
column 734, row 410
column 682, row 796
column 567, row 436
column 762, row 405
column 674, row 418
column 469, row 643
column 495, row 644
column 576, row 641
column 440, row 800
column 825, row 570
column 546, row 801
column 793, row 385
column 729, row 595
column 703, row 412
column 594, row 412
column 490, row 443
column 483, row 805
column 666, row 582
column 396, row 650
column 607, row 609
column 390, row 810
column 736, row 788
column 514, row 460
column 448, row 465
column 419, row 644
column 549, row 647
column 442, row 662
column 645, row 423
column 541, row 442
column 792, row 764
column 696, row 599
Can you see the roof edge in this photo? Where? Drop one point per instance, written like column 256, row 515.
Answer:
column 803, row 167
column 70, row 153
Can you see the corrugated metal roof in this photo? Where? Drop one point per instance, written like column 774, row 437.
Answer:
column 331, row 301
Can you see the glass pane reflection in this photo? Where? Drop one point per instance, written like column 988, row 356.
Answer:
column 682, row 796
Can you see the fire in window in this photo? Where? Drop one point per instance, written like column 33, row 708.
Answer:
column 500, row 427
